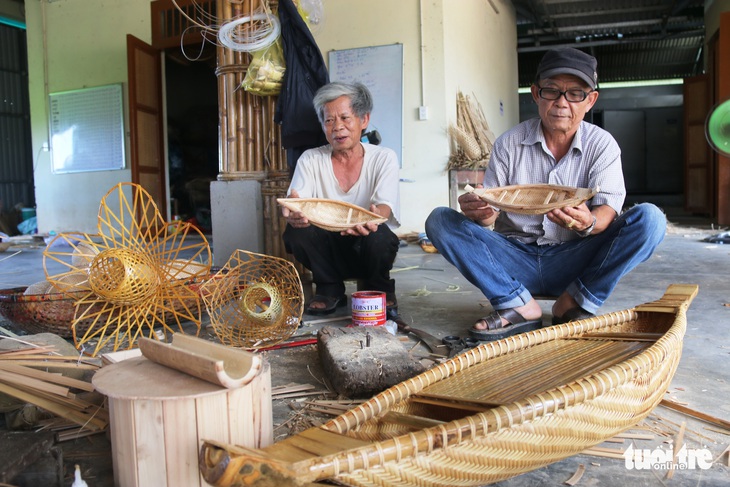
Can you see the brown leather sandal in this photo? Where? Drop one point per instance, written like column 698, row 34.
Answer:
column 516, row 323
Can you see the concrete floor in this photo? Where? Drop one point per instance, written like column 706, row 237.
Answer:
column 435, row 298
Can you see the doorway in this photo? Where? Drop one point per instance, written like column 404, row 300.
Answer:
column 191, row 95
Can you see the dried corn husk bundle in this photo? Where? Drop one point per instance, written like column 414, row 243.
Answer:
column 471, row 137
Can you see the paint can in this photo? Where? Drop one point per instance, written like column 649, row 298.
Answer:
column 368, row 308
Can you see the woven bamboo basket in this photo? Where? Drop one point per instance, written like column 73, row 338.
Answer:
column 493, row 412
column 53, row 312
column 332, row 215
column 254, row 301
column 533, row 199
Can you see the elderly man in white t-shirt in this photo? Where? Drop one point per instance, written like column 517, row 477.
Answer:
column 355, row 172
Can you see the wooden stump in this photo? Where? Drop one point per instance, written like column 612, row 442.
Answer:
column 356, row 370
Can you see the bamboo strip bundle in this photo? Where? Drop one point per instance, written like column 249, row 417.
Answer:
column 275, row 153
column 471, row 137
column 24, row 375
column 271, row 191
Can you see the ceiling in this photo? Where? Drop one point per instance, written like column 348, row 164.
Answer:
column 633, row 40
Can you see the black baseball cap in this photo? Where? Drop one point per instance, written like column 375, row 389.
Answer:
column 568, row 60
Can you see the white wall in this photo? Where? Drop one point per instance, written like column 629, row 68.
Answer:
column 462, row 44
column 466, row 45
column 85, row 46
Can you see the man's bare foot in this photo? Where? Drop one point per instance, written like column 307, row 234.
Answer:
column 564, row 302
column 530, row 311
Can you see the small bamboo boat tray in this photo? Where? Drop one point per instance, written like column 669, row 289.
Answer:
column 332, row 215
column 533, row 199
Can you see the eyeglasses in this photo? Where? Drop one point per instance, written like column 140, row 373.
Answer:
column 573, row 96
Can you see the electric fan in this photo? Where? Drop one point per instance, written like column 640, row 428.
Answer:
column 717, row 128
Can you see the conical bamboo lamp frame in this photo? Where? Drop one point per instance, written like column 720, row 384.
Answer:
column 254, row 301
column 137, row 273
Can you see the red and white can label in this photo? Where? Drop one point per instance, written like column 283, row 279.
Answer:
column 368, row 308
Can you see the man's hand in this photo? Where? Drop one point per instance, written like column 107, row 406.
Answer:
column 576, row 218
column 294, row 218
column 368, row 228
column 475, row 208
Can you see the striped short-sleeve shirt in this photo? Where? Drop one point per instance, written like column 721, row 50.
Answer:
column 521, row 156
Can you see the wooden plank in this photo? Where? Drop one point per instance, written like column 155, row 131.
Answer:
column 212, row 420
column 48, row 377
column 415, row 422
column 181, row 442
column 123, row 443
column 118, row 356
column 242, row 414
column 55, row 365
column 149, row 435
column 676, row 447
column 62, row 410
column 261, row 400
column 695, row 414
column 319, row 441
column 29, row 382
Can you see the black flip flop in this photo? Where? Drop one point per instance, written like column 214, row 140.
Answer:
column 331, row 304
column 495, row 331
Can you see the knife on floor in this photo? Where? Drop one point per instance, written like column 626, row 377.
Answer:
column 435, row 344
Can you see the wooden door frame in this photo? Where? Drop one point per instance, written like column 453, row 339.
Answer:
column 134, row 46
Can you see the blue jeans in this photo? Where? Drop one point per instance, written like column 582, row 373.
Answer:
column 508, row 272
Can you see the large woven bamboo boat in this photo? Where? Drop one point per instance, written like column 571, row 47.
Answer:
column 533, row 199
column 493, row 412
column 332, row 215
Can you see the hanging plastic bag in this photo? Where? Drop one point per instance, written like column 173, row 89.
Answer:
column 265, row 73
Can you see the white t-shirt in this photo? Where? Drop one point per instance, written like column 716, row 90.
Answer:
column 378, row 183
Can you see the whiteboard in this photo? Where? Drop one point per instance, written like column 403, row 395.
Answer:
column 87, row 129
column 380, row 68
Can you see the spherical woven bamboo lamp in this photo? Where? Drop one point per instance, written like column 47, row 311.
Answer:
column 139, row 272
column 254, row 301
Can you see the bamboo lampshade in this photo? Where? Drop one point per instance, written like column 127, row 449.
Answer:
column 136, row 273
column 254, row 301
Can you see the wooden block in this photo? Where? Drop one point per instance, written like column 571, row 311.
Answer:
column 362, row 371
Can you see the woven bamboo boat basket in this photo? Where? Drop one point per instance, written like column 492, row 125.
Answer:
column 493, row 412
column 332, row 215
column 533, row 199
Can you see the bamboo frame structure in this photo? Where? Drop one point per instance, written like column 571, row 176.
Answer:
column 254, row 301
column 250, row 141
column 138, row 272
column 439, row 429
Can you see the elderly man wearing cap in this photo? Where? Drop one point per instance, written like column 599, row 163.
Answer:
column 578, row 253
